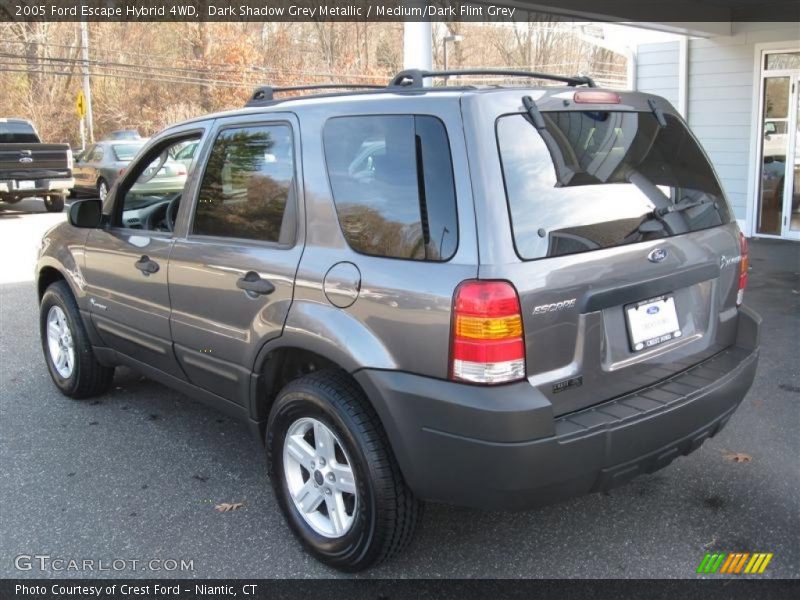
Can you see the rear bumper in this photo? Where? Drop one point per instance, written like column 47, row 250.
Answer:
column 41, row 186
column 501, row 448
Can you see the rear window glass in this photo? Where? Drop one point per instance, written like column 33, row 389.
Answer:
column 17, row 133
column 597, row 179
column 126, row 151
column 392, row 182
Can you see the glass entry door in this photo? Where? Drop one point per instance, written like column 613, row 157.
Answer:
column 778, row 208
column 791, row 192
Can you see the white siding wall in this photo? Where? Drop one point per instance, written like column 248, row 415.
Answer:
column 721, row 96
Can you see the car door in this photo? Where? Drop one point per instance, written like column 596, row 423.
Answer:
column 93, row 167
column 231, row 273
column 126, row 262
column 81, row 168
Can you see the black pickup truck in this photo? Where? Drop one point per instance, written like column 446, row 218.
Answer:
column 29, row 168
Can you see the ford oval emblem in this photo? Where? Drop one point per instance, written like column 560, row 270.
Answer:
column 652, row 310
column 657, row 255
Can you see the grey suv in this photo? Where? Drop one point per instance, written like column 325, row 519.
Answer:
column 494, row 297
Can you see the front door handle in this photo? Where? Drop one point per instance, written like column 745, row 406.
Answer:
column 146, row 266
column 254, row 285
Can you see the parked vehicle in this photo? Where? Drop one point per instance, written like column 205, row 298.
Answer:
column 30, row 168
column 492, row 297
column 100, row 165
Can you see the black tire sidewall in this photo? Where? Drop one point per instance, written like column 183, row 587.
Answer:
column 54, row 203
column 54, row 297
column 297, row 403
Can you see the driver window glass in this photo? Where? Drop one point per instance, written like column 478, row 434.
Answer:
column 247, row 190
column 151, row 203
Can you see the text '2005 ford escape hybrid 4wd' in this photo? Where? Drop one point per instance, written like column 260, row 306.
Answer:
column 488, row 296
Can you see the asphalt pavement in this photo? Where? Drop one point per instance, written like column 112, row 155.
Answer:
column 136, row 474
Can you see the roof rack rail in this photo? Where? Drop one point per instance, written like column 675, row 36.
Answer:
column 267, row 93
column 413, row 78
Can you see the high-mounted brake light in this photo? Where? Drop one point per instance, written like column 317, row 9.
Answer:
column 487, row 344
column 744, row 266
column 595, row 97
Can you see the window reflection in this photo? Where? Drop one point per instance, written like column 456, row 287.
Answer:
column 392, row 183
column 593, row 179
column 248, row 189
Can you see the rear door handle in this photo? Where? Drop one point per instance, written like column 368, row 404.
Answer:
column 254, row 285
column 146, row 266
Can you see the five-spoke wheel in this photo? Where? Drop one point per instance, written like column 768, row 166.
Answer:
column 334, row 473
column 319, row 477
column 59, row 342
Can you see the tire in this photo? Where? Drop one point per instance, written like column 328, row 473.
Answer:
column 86, row 377
column 384, row 510
column 102, row 189
column 54, row 203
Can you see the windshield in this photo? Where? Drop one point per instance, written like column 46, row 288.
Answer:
column 597, row 179
column 126, row 152
column 17, row 133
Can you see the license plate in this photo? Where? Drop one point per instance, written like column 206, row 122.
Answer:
column 26, row 185
column 652, row 322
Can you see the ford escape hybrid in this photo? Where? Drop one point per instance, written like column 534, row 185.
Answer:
column 494, row 297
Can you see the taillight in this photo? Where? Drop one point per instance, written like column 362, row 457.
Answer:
column 487, row 343
column 744, row 266
column 121, row 171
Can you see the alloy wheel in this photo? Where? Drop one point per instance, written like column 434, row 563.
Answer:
column 60, row 343
column 319, row 477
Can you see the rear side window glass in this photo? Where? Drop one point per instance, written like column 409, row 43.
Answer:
column 17, row 133
column 248, row 189
column 596, row 179
column 126, row 152
column 392, row 183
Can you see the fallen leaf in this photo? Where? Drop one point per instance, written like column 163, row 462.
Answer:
column 229, row 506
column 738, row 457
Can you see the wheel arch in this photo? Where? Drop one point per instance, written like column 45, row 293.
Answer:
column 315, row 336
column 47, row 276
column 278, row 365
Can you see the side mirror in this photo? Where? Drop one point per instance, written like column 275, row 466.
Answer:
column 85, row 213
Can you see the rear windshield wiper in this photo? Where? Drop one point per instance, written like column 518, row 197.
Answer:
column 533, row 112
column 681, row 206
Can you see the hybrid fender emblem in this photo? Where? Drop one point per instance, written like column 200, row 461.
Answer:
column 657, row 255
column 97, row 305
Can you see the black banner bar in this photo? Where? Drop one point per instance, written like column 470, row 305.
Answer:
column 329, row 589
column 397, row 10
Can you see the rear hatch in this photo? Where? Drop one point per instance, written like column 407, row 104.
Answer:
column 611, row 224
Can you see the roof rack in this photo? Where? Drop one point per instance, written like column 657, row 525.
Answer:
column 413, row 78
column 267, row 93
column 410, row 79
